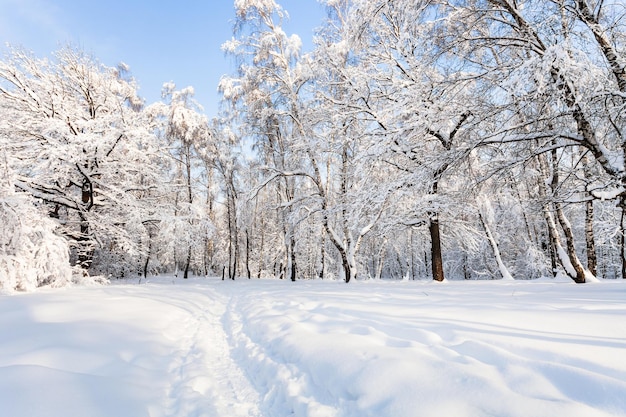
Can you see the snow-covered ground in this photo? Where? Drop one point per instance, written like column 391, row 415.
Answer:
column 205, row 347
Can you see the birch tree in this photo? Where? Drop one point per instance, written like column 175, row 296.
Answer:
column 264, row 93
column 536, row 55
column 416, row 102
column 185, row 223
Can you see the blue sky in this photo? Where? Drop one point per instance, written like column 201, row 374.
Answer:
column 161, row 40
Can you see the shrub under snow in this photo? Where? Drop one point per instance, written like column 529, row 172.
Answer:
column 31, row 255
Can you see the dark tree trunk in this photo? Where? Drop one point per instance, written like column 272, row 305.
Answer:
column 145, row 266
column 552, row 248
column 435, row 237
column 233, row 247
column 85, row 254
column 293, row 259
column 187, row 263
column 230, row 240
column 261, row 264
column 248, row 254
column 592, row 260
column 323, row 258
column 623, row 238
column 346, row 266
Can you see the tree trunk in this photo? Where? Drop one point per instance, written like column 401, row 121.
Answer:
column 233, row 271
column 323, row 257
column 293, row 258
column 579, row 276
column 230, row 237
column 399, row 261
column 85, row 253
column 435, row 245
column 248, row 254
column 187, row 263
column 569, row 241
column 381, row 264
column 496, row 252
column 346, row 267
column 145, row 267
column 592, row 260
column 551, row 244
column 569, row 258
column 261, row 264
column 623, row 237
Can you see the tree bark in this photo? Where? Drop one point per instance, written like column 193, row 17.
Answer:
column 579, row 276
column 606, row 45
column 623, row 238
column 293, row 258
column 435, row 235
column 435, row 238
column 494, row 247
column 248, row 254
column 145, row 266
column 592, row 260
column 571, row 249
column 322, row 256
column 552, row 242
column 187, row 263
column 553, row 233
column 85, row 252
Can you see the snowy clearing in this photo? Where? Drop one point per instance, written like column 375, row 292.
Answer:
column 205, row 347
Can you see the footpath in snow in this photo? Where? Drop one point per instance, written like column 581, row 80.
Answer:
column 205, row 348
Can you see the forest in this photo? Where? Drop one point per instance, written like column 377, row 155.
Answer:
column 419, row 139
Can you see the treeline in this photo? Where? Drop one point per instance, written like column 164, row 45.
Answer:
column 464, row 140
column 92, row 177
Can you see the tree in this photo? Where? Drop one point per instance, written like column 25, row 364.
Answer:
column 185, row 222
column 264, row 95
column 536, row 57
column 31, row 254
column 84, row 149
column 416, row 102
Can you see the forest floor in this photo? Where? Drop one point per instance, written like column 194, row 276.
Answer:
column 204, row 347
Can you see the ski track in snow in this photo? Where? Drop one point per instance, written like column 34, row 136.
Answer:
column 208, row 383
column 208, row 348
column 140, row 351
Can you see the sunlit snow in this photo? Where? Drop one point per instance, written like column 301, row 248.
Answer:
column 206, row 347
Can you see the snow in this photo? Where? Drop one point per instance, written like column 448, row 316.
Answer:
column 206, row 347
column 607, row 194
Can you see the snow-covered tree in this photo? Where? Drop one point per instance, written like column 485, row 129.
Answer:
column 416, row 104
column 31, row 254
column 264, row 95
column 184, row 224
column 556, row 83
column 85, row 150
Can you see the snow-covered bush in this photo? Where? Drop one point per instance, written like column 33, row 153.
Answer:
column 31, row 254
